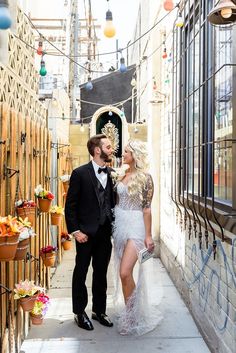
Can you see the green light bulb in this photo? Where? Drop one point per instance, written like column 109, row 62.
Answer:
column 43, row 71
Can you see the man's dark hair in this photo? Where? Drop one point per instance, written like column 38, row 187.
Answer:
column 95, row 141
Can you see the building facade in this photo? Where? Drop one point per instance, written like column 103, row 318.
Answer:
column 193, row 130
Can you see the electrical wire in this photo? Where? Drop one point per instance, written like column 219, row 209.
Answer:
column 75, row 62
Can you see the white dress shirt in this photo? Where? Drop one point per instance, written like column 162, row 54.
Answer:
column 102, row 177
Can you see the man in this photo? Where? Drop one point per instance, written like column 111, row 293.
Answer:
column 88, row 213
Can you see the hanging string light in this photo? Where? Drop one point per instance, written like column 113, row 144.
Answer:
column 109, row 30
column 122, row 68
column 168, row 5
column 40, row 48
column 42, row 71
column 5, row 18
column 179, row 22
column 170, row 58
column 154, row 87
column 122, row 111
column 164, row 54
column 89, row 85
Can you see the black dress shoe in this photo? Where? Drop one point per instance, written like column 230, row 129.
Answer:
column 103, row 319
column 83, row 321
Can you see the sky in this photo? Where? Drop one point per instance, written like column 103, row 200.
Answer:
column 124, row 17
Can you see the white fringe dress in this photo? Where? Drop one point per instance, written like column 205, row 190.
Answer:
column 136, row 318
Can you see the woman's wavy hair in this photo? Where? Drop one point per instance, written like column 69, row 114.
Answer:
column 137, row 182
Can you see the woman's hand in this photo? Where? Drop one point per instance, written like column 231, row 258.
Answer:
column 80, row 237
column 149, row 243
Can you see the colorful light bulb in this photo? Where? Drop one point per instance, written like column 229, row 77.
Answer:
column 168, row 5
column 42, row 71
column 179, row 22
column 5, row 18
column 40, row 49
column 89, row 85
column 123, row 68
column 164, row 55
column 109, row 30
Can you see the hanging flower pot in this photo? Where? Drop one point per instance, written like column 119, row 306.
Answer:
column 44, row 198
column 44, row 204
column 48, row 259
column 27, row 303
column 28, row 212
column 66, row 240
column 36, row 319
column 56, row 219
column 48, row 255
column 8, row 246
column 56, row 215
column 67, row 244
column 21, row 249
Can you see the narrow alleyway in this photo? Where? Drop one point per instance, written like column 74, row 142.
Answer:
column 177, row 332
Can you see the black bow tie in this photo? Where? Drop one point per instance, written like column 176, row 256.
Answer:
column 100, row 170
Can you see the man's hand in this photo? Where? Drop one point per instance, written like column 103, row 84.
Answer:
column 80, row 237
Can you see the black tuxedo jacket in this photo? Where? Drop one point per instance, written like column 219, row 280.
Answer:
column 82, row 208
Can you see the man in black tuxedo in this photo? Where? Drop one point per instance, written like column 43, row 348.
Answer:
column 88, row 213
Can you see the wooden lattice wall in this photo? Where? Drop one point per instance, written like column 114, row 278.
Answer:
column 22, row 113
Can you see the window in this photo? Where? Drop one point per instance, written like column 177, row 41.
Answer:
column 203, row 107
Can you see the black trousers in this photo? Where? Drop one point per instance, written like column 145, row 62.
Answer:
column 98, row 249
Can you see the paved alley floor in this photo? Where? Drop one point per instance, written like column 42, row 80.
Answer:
column 176, row 333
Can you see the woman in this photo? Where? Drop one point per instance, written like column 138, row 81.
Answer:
column 131, row 233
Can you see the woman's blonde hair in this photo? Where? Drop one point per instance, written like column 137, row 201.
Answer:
column 137, row 182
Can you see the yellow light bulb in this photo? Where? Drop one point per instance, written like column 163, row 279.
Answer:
column 179, row 21
column 226, row 12
column 109, row 30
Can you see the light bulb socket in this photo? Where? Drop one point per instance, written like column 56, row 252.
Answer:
column 122, row 60
column 109, row 15
column 42, row 63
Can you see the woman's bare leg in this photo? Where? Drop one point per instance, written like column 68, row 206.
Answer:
column 128, row 261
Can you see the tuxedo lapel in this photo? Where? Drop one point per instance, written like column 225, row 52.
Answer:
column 94, row 180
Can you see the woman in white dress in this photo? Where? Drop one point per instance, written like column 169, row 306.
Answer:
column 132, row 233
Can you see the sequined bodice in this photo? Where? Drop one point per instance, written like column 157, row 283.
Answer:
column 125, row 201
column 136, row 201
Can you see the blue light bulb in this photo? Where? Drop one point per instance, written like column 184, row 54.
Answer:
column 123, row 68
column 5, row 18
column 89, row 85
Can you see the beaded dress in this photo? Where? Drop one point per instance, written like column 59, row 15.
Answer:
column 135, row 318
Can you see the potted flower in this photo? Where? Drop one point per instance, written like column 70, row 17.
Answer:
column 27, row 292
column 26, row 208
column 26, row 231
column 44, row 198
column 65, row 181
column 40, row 308
column 66, row 240
column 48, row 255
column 10, row 229
column 56, row 215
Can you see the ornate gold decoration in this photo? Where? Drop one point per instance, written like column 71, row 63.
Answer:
column 111, row 131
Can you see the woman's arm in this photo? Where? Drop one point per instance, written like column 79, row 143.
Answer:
column 147, row 213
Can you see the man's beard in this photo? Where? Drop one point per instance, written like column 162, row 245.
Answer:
column 105, row 157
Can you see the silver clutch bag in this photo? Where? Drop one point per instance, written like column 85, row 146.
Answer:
column 144, row 255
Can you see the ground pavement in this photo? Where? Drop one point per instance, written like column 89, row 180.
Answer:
column 176, row 333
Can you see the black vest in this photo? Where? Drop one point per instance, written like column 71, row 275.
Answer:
column 105, row 202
